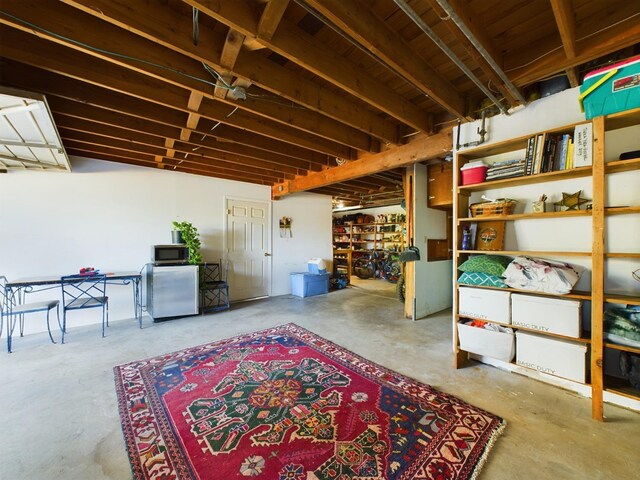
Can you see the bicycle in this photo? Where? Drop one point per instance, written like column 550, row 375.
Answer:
column 386, row 266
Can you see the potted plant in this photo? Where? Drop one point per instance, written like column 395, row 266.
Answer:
column 191, row 238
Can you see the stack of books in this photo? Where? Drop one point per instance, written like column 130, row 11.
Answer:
column 556, row 152
column 506, row 169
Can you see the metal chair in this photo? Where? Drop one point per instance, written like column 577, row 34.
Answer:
column 15, row 311
column 80, row 292
column 214, row 289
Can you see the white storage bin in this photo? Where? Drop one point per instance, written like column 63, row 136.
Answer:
column 493, row 305
column 561, row 358
column 498, row 345
column 545, row 314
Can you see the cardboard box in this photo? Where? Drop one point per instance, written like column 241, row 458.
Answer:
column 561, row 358
column 305, row 284
column 547, row 315
column 611, row 89
column 484, row 304
column 498, row 345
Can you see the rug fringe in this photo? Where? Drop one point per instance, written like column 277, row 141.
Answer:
column 487, row 449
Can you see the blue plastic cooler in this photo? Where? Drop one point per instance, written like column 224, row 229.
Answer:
column 611, row 89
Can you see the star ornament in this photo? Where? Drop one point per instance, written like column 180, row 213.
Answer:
column 571, row 201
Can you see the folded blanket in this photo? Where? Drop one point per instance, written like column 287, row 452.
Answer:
column 541, row 275
column 622, row 325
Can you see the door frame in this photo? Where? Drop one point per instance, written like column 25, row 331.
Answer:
column 269, row 232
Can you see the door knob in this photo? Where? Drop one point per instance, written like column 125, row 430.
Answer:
column 267, row 254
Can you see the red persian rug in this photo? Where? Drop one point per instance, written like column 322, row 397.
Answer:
column 286, row 404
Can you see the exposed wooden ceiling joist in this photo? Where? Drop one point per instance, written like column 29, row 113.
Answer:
column 172, row 30
column 358, row 21
column 296, row 45
column 81, row 100
column 333, row 89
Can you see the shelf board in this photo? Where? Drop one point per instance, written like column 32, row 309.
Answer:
column 620, row 386
column 566, row 213
column 621, row 210
column 532, row 330
column 622, row 119
column 528, row 179
column 617, row 166
column 577, row 294
column 525, row 252
column 622, row 255
column 623, row 348
column 521, row 216
column 623, row 298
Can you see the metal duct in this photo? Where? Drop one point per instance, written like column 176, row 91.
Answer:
column 464, row 29
column 404, row 6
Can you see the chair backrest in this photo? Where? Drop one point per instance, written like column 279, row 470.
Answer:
column 80, row 291
column 4, row 295
column 211, row 272
column 224, row 270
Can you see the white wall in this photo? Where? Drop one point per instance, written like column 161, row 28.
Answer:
column 311, row 237
column 108, row 215
column 432, row 279
column 571, row 233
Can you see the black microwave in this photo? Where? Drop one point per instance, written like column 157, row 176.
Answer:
column 175, row 254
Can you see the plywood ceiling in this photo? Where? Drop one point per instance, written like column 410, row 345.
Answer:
column 331, row 96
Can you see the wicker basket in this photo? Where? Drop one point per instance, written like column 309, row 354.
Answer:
column 488, row 209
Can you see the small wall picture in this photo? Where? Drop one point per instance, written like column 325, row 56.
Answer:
column 490, row 235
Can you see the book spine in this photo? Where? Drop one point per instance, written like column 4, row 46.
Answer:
column 562, row 160
column 529, row 156
column 570, row 154
column 537, row 161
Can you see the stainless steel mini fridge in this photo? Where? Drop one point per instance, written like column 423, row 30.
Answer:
column 172, row 291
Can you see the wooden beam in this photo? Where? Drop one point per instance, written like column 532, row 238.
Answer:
column 95, row 143
column 34, row 51
column 195, row 153
column 228, row 57
column 168, row 143
column 565, row 19
column 82, row 100
column 166, row 27
column 572, row 75
column 132, row 159
column 64, row 113
column 624, row 34
column 471, row 49
column 358, row 21
column 296, row 45
column 270, row 18
column 424, row 148
column 63, row 20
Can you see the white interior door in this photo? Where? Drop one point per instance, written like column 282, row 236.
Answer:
column 248, row 249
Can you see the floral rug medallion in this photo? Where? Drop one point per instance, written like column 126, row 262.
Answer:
column 286, row 404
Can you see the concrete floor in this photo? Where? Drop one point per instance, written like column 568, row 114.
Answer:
column 59, row 415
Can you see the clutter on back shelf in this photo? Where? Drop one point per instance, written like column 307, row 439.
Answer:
column 541, row 275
